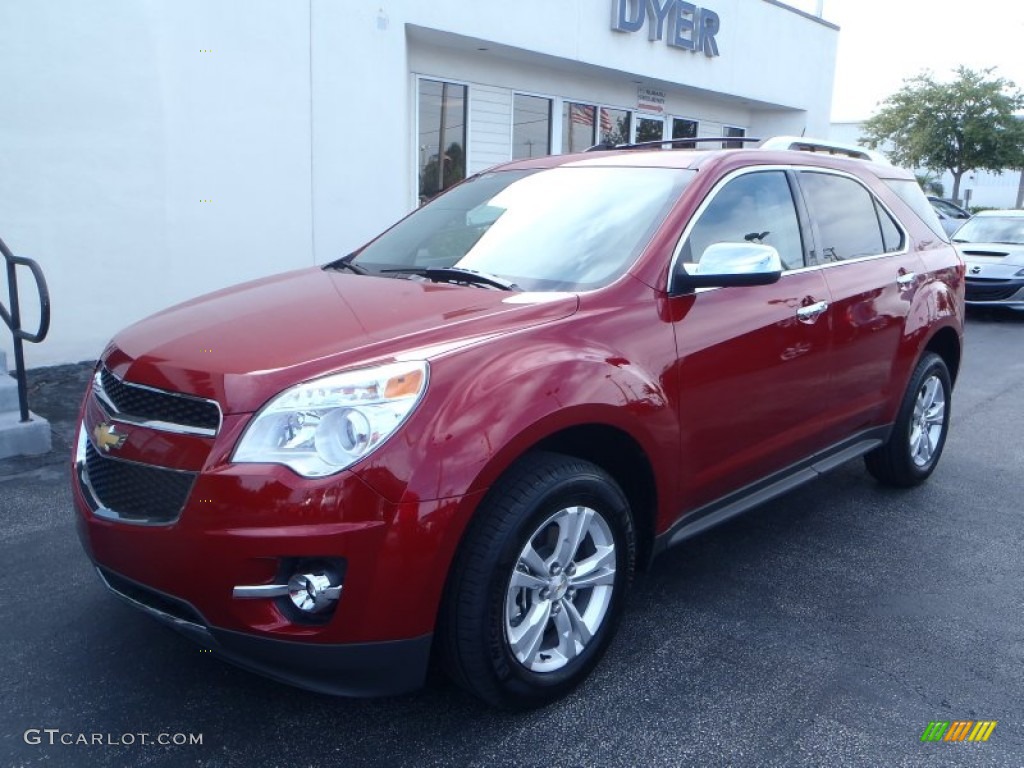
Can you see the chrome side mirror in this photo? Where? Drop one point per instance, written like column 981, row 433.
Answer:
column 724, row 265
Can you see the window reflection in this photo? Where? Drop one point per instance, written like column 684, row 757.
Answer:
column 848, row 224
column 684, row 129
column 753, row 208
column 614, row 126
column 731, row 131
column 442, row 136
column 650, row 129
column 531, row 126
column 578, row 126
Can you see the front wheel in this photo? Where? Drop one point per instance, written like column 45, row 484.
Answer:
column 539, row 583
column 919, row 434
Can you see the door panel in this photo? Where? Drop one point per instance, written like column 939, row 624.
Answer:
column 872, row 280
column 751, row 373
column 870, row 303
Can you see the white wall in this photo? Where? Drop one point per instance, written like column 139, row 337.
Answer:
column 119, row 119
column 114, row 126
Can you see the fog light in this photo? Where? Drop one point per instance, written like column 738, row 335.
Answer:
column 312, row 592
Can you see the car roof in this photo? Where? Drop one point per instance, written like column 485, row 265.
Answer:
column 694, row 159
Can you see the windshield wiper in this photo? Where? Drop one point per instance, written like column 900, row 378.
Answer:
column 346, row 263
column 456, row 274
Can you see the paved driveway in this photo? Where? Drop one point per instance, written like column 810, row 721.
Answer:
column 826, row 628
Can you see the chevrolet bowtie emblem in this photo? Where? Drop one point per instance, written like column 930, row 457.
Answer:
column 107, row 437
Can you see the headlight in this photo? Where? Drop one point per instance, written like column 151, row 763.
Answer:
column 323, row 426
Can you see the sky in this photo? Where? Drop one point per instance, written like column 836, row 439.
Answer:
column 882, row 42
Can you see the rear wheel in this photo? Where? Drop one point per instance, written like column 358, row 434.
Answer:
column 539, row 583
column 919, row 434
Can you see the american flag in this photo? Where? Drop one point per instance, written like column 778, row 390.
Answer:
column 583, row 114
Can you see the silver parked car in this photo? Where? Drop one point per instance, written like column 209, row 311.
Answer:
column 992, row 246
column 951, row 215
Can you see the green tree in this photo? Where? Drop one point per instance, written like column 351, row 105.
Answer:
column 930, row 183
column 961, row 126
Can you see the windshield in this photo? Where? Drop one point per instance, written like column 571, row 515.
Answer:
column 992, row 229
column 561, row 229
column 948, row 209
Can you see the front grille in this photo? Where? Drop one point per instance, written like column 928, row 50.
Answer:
column 992, row 290
column 154, row 405
column 136, row 492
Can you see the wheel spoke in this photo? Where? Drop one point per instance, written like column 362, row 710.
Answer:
column 566, row 636
column 916, row 435
column 596, row 570
column 579, row 628
column 572, row 529
column 926, row 446
column 533, row 561
column 521, row 579
column 528, row 636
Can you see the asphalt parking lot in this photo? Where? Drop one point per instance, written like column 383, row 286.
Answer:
column 827, row 628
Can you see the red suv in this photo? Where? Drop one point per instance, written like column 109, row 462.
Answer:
column 459, row 442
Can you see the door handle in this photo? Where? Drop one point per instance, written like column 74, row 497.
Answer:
column 906, row 279
column 811, row 312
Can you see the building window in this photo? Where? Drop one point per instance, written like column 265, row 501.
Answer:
column 730, row 132
column 614, row 126
column 442, row 136
column 531, row 126
column 684, row 129
column 578, row 126
column 649, row 128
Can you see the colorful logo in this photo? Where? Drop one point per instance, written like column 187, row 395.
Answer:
column 958, row 730
column 108, row 437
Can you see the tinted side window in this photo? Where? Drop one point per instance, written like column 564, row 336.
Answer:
column 844, row 212
column 910, row 193
column 754, row 208
column 892, row 236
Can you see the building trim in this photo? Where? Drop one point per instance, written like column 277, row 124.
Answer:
column 805, row 14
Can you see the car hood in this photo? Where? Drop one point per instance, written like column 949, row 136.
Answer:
column 242, row 345
column 992, row 253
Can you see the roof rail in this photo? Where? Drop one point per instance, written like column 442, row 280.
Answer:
column 821, row 145
column 607, row 145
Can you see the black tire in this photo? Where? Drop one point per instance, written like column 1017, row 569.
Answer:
column 475, row 621
column 894, row 463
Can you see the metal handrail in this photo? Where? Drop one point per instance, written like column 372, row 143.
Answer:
column 12, row 318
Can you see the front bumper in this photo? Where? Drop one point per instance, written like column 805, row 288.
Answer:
column 350, row 669
column 175, row 528
column 990, row 292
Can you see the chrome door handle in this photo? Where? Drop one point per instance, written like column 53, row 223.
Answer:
column 906, row 279
column 811, row 312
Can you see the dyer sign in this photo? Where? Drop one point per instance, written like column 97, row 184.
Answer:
column 678, row 23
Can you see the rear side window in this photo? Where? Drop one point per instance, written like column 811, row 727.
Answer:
column 845, row 217
column 909, row 192
column 892, row 236
column 754, row 208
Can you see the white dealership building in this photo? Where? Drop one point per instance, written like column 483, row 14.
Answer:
column 152, row 151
